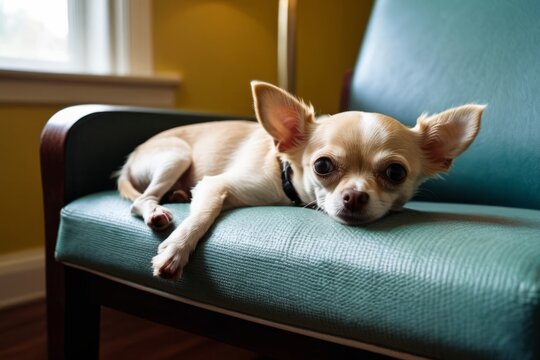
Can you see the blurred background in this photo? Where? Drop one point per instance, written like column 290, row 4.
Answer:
column 196, row 55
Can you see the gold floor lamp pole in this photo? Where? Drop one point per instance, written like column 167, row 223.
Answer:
column 287, row 45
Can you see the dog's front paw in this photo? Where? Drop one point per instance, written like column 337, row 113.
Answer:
column 164, row 245
column 170, row 263
column 160, row 218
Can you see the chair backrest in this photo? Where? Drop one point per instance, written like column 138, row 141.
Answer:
column 425, row 55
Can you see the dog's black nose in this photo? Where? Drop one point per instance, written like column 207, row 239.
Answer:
column 354, row 200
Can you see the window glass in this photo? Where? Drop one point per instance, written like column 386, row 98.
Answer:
column 35, row 34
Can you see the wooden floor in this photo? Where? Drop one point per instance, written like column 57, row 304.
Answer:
column 22, row 336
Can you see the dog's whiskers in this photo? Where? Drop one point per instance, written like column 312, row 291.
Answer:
column 310, row 205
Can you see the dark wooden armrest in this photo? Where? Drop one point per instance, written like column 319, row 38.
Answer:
column 81, row 147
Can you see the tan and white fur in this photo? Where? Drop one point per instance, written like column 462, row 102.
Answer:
column 354, row 166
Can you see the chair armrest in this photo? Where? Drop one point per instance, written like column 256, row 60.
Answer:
column 81, row 147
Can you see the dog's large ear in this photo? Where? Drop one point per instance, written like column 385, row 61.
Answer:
column 283, row 116
column 446, row 135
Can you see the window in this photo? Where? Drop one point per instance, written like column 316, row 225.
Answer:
column 35, row 35
column 75, row 36
column 70, row 51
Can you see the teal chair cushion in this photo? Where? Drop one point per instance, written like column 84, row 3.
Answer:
column 437, row 280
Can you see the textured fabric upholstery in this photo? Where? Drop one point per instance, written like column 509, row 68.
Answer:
column 440, row 280
column 424, row 55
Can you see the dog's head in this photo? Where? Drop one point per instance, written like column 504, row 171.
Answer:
column 357, row 166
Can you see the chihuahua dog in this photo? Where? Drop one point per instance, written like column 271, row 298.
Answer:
column 354, row 166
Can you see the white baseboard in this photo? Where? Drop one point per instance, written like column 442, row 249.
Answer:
column 22, row 277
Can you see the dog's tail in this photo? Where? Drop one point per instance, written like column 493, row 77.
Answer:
column 125, row 187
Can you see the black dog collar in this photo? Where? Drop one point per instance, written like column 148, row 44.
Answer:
column 286, row 183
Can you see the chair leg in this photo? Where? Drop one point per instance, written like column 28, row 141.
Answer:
column 74, row 322
column 82, row 319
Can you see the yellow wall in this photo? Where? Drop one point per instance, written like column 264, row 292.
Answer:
column 21, row 214
column 218, row 47
column 329, row 36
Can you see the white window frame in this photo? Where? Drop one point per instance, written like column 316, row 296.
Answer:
column 130, row 30
column 129, row 76
column 134, row 37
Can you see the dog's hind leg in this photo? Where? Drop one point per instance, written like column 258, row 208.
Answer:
column 162, row 164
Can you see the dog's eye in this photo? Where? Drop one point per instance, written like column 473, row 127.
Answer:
column 323, row 166
column 395, row 173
